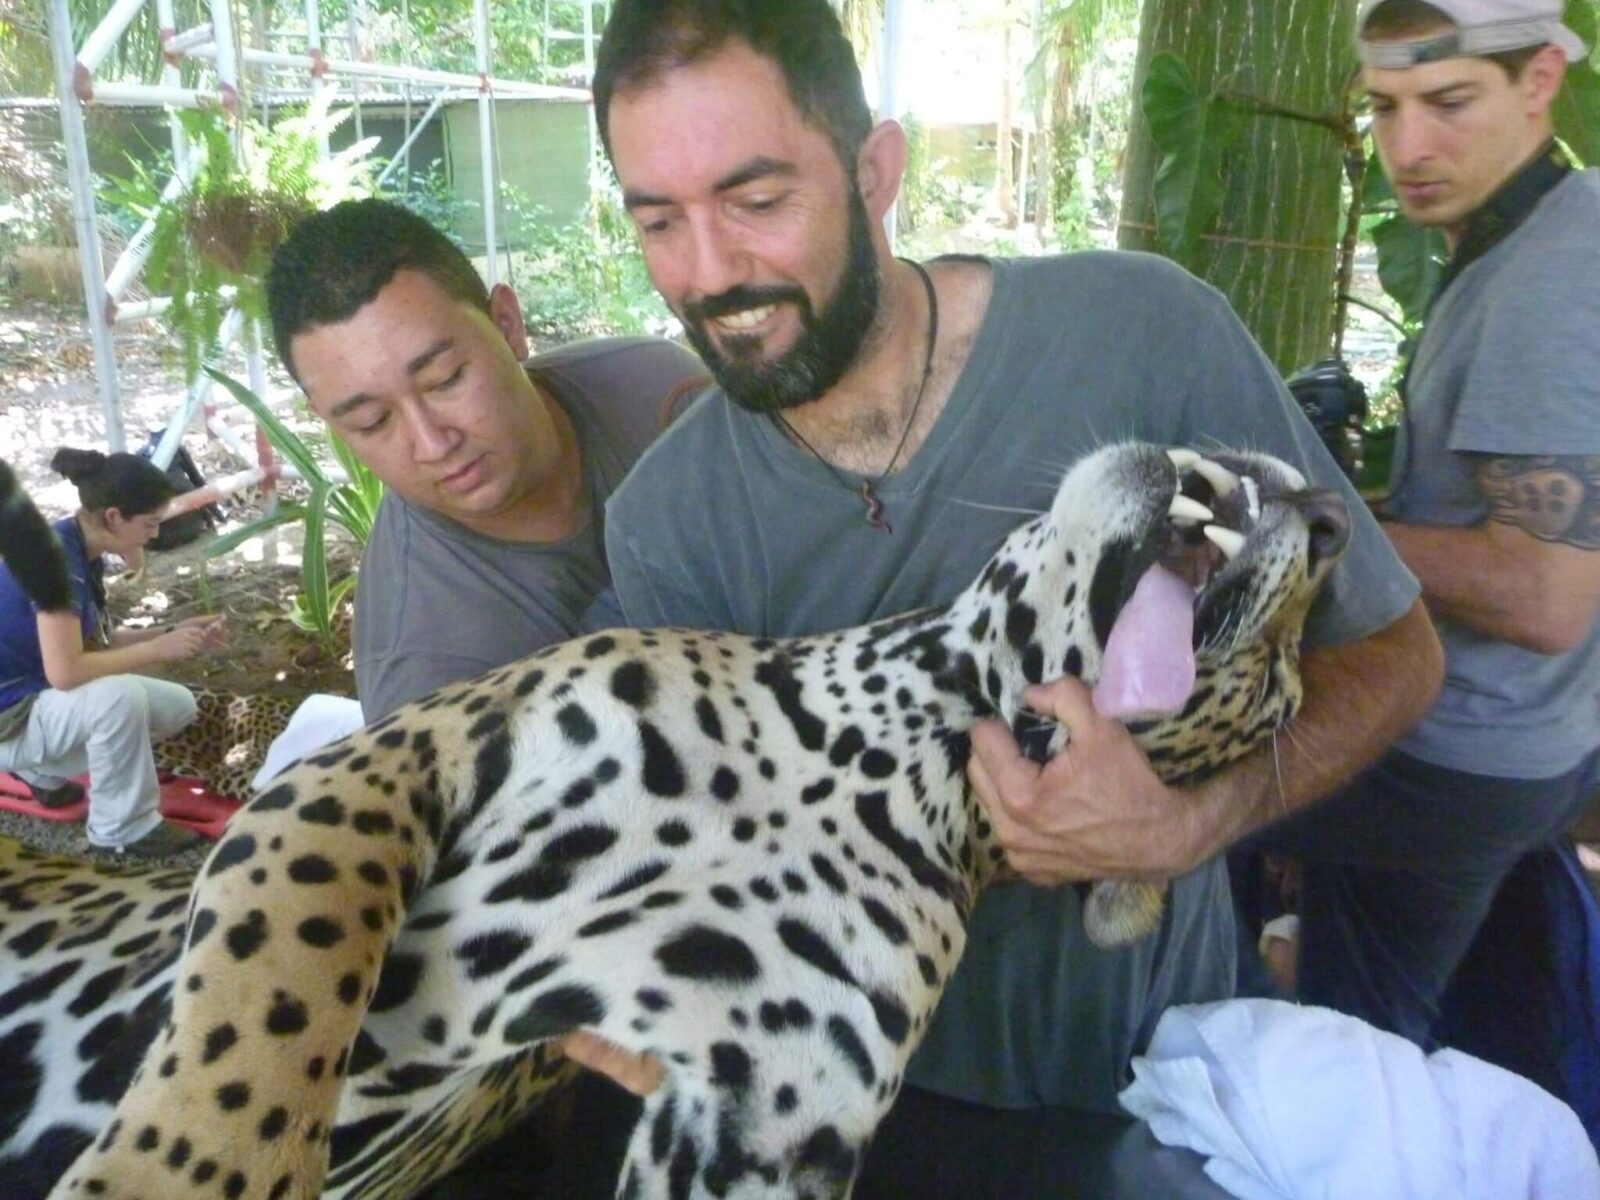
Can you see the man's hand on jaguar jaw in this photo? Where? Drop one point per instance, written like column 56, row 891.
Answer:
column 1094, row 811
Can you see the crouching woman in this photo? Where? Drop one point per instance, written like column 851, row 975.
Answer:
column 72, row 698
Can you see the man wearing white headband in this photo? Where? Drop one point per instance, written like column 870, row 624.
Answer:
column 1494, row 504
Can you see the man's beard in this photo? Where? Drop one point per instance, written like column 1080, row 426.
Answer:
column 829, row 340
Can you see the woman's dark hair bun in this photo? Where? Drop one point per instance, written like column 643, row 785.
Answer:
column 77, row 465
column 127, row 482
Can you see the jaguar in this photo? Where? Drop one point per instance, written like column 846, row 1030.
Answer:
column 752, row 859
column 227, row 741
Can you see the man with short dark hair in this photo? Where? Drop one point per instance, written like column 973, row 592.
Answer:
column 877, row 428
column 1494, row 505
column 489, row 543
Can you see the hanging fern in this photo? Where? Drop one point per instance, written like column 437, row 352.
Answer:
column 220, row 231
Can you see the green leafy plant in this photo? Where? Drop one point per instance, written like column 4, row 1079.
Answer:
column 914, row 179
column 428, row 194
column 240, row 199
column 934, row 193
column 352, row 505
column 35, row 206
column 585, row 278
column 588, row 278
column 1577, row 107
column 1193, row 130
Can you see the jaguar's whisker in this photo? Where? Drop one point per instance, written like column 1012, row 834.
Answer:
column 1000, row 508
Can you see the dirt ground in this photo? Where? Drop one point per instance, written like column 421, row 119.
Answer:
column 48, row 399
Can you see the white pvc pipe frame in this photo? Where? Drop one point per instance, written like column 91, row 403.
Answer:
column 75, row 144
column 214, row 41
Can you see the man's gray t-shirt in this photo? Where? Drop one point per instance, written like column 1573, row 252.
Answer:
column 1509, row 366
column 437, row 603
column 725, row 524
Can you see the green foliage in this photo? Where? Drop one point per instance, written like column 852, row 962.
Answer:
column 580, row 279
column 429, row 195
column 35, row 207
column 243, row 192
column 1192, row 130
column 1577, row 114
column 1067, row 34
column 584, row 279
column 1086, row 181
column 862, row 21
column 1073, row 221
column 26, row 68
column 1091, row 124
column 933, row 193
column 438, row 34
column 351, row 505
column 560, row 59
column 1577, row 108
column 914, row 178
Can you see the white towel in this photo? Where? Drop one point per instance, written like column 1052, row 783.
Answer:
column 320, row 719
column 1295, row 1103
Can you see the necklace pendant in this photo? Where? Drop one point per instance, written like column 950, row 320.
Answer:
column 874, row 508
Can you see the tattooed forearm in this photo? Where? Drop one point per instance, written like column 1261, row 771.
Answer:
column 1556, row 498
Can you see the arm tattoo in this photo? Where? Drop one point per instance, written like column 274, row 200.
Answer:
column 1556, row 498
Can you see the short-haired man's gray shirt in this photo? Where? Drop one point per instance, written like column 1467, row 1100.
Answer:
column 1509, row 366
column 437, row 602
column 726, row 524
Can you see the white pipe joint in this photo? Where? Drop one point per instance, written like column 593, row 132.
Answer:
column 104, row 36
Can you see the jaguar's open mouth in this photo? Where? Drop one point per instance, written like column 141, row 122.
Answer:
column 1209, row 521
column 1149, row 664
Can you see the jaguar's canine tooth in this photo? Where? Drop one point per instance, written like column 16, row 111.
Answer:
column 1183, row 459
column 1229, row 541
column 1185, row 509
column 1222, row 480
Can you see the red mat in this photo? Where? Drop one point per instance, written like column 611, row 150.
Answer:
column 184, row 801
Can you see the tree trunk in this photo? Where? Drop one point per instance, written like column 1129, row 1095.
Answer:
column 1272, row 250
column 1004, row 185
column 1044, row 200
column 1044, row 191
column 1091, row 142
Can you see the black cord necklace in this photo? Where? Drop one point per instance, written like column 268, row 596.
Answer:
column 867, row 490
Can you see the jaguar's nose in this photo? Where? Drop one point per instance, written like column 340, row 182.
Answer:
column 1328, row 520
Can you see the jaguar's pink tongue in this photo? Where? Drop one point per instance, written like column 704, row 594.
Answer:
column 1149, row 661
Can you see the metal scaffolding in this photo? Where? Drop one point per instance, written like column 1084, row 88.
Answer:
column 214, row 43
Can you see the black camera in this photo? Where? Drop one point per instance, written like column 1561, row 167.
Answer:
column 1335, row 402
